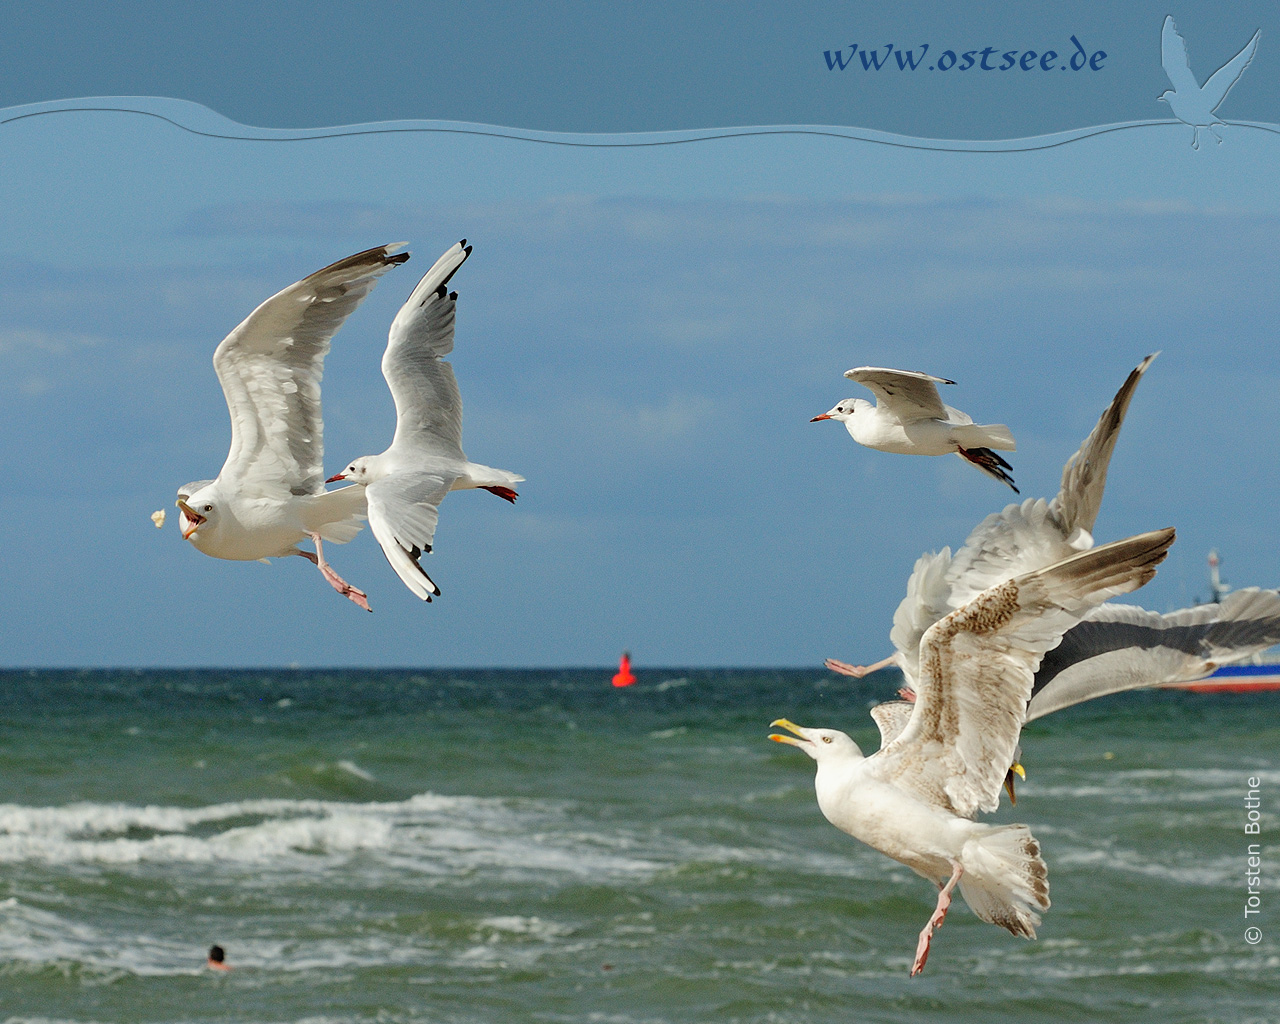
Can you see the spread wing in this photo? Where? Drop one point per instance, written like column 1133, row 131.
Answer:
column 905, row 393
column 1220, row 82
column 428, row 405
column 892, row 717
column 270, row 369
column 928, row 599
column 403, row 510
column 977, row 666
column 1019, row 539
column 1084, row 477
column 1173, row 55
column 1121, row 647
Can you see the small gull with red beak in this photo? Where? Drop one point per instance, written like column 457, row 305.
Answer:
column 406, row 483
column 908, row 418
column 270, row 492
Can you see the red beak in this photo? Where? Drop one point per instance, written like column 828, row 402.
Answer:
column 335, row 478
column 824, row 416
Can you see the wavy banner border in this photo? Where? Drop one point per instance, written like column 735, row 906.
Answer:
column 198, row 119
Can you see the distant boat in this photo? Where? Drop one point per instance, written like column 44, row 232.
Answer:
column 1235, row 679
column 1248, row 678
column 624, row 676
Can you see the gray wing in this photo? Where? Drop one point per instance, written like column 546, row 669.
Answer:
column 403, row 511
column 905, row 393
column 1121, row 647
column 977, row 668
column 1173, row 56
column 428, row 405
column 1220, row 82
column 270, row 368
column 1084, row 477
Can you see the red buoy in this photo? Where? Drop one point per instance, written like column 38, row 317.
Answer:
column 624, row 676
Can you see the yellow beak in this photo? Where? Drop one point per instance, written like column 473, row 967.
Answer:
column 782, row 723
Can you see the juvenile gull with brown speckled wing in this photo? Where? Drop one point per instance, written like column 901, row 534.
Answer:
column 914, row 799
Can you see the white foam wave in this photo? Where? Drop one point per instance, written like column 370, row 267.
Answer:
column 1156, row 785
column 427, row 834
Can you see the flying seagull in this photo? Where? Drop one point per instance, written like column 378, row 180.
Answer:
column 1191, row 102
column 1019, row 539
column 914, row 798
column 406, row 483
column 908, row 418
column 270, row 493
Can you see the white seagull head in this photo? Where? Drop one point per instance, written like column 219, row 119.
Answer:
column 198, row 513
column 823, row 745
column 843, row 412
column 360, row 472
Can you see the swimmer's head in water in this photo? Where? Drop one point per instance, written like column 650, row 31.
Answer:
column 218, row 957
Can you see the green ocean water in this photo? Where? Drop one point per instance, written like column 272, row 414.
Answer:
column 486, row 846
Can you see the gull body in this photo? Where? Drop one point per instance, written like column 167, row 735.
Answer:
column 270, row 494
column 909, row 418
column 405, row 484
column 914, row 798
column 1192, row 103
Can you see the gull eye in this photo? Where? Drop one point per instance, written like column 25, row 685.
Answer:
column 826, row 739
column 208, row 508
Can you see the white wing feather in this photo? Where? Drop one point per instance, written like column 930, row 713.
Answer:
column 270, row 368
column 428, row 405
column 403, row 510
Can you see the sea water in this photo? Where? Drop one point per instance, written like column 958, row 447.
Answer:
column 491, row 846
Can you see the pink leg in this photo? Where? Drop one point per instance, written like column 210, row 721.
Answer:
column 858, row 671
column 503, row 492
column 939, row 915
column 337, row 582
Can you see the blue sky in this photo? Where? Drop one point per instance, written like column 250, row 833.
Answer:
column 644, row 334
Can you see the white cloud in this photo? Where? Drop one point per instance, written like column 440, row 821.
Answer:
column 22, row 340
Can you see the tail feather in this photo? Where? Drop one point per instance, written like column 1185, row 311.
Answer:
column 338, row 515
column 1005, row 881
column 477, row 475
column 991, row 464
column 984, row 435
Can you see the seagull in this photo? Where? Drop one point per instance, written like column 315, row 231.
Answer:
column 1191, row 102
column 909, row 418
column 270, row 493
column 406, row 483
column 914, row 798
column 1018, row 539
